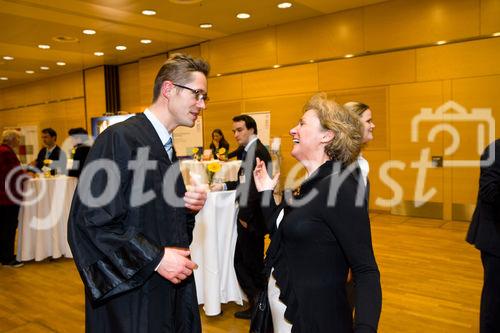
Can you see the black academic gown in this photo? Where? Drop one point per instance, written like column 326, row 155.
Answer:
column 117, row 246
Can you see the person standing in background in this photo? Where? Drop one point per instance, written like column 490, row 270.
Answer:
column 51, row 151
column 9, row 196
column 484, row 234
column 80, row 150
column 218, row 142
column 249, row 252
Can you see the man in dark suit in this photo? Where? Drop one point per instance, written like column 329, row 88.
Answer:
column 249, row 252
column 51, row 151
column 132, row 219
column 484, row 233
column 80, row 150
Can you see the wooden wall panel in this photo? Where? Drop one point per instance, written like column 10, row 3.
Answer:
column 66, row 86
column 245, row 51
column 490, row 14
column 148, row 69
column 36, row 92
column 375, row 70
column 403, row 23
column 475, row 58
column 130, row 98
column 322, row 37
column 405, row 102
column 14, row 96
column 224, row 88
column 473, row 93
column 377, row 158
column 95, row 93
column 220, row 115
column 281, row 81
column 194, row 51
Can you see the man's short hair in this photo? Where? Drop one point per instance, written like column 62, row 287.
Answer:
column 249, row 122
column 178, row 69
column 77, row 131
column 49, row 131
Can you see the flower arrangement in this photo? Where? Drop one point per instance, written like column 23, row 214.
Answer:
column 212, row 169
column 46, row 167
column 221, row 154
column 196, row 153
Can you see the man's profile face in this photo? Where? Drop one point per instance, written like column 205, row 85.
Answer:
column 48, row 141
column 184, row 105
column 241, row 133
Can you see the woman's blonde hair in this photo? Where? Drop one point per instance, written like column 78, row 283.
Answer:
column 8, row 136
column 346, row 126
column 356, row 107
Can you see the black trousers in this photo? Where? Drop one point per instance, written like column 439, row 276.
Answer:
column 8, row 226
column 249, row 261
column 490, row 297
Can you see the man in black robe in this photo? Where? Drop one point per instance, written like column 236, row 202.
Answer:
column 131, row 219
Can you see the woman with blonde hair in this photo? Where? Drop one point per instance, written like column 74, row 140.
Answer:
column 322, row 230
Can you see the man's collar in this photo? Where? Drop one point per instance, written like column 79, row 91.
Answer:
column 158, row 126
column 253, row 138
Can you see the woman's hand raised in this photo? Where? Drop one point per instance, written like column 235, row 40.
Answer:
column 262, row 180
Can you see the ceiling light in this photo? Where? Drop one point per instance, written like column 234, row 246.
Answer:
column 496, row 34
column 284, row 5
column 44, row 68
column 121, row 47
column 312, row 60
column 349, row 55
column 148, row 12
column 441, row 42
column 89, row 32
column 3, row 78
column 219, row 74
column 206, row 25
column 146, row 41
column 44, row 46
column 8, row 58
column 98, row 54
column 243, row 16
column 29, row 71
column 60, row 63
column 276, row 66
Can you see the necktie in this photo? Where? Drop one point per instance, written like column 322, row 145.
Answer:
column 168, row 148
column 243, row 154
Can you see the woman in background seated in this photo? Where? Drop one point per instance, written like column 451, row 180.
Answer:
column 322, row 230
column 218, row 142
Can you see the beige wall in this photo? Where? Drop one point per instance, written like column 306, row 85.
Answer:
column 405, row 73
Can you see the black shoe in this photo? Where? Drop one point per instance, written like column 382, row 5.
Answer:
column 14, row 263
column 245, row 314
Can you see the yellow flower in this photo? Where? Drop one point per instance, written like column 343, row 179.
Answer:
column 47, row 162
column 195, row 150
column 222, row 151
column 73, row 151
column 214, row 167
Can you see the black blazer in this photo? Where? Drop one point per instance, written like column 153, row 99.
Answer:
column 484, row 231
column 79, row 157
column 248, row 197
column 57, row 156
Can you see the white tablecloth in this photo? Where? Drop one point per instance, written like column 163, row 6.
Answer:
column 43, row 218
column 229, row 170
column 214, row 240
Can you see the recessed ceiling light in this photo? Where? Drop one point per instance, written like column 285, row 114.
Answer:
column 44, row 68
column 60, row 63
column 89, row 32
column 29, row 71
column 219, row 74
column 98, row 54
column 276, row 66
column 312, row 60
column 284, row 5
column 121, row 47
column 243, row 16
column 8, row 58
column 206, row 25
column 44, row 46
column 441, row 42
column 146, row 41
column 148, row 12
column 349, row 55
column 496, row 34
column 3, row 78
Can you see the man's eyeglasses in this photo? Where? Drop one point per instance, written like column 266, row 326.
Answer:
column 199, row 94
